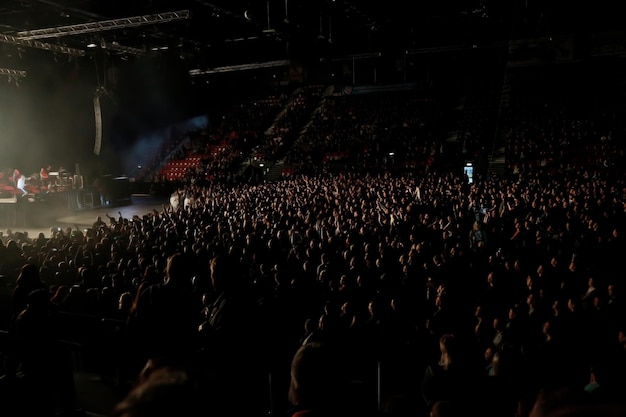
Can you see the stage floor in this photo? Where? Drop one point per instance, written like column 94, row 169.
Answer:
column 44, row 218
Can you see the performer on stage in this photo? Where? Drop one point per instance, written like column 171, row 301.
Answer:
column 21, row 184
column 44, row 176
column 16, row 176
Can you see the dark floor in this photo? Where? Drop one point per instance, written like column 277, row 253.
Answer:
column 94, row 395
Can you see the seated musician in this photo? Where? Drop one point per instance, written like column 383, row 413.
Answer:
column 44, row 175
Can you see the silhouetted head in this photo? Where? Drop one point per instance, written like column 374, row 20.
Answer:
column 318, row 380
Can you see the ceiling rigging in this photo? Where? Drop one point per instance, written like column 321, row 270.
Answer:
column 221, row 34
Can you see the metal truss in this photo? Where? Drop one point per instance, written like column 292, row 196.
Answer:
column 104, row 25
column 454, row 48
column 359, row 56
column 244, row 67
column 13, row 73
column 42, row 45
column 114, row 46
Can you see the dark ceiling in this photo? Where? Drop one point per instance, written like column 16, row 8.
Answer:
column 187, row 37
column 214, row 33
column 211, row 33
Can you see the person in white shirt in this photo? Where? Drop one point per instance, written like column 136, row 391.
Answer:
column 21, row 184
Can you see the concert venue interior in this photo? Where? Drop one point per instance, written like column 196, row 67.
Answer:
column 425, row 147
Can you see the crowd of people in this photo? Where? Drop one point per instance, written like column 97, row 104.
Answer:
column 380, row 292
column 523, row 273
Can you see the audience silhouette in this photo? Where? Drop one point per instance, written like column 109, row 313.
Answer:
column 403, row 274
